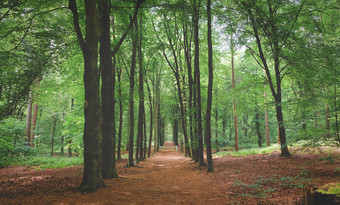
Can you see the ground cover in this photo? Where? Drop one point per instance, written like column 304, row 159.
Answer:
column 170, row 178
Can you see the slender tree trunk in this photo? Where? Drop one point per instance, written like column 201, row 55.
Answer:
column 195, row 122
column 187, row 52
column 258, row 126
column 151, row 116
column 198, row 84
column 210, row 87
column 328, row 122
column 233, row 84
column 29, row 118
column 120, row 126
column 107, row 92
column 131, row 111
column 266, row 117
column 52, row 135
column 141, row 111
column 69, row 148
column 336, row 116
column 155, row 94
column 34, row 121
column 144, row 129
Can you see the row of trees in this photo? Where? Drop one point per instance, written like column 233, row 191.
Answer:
column 165, row 51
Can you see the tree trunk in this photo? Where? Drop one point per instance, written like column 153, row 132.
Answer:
column 187, row 53
column 29, row 118
column 120, row 126
column 151, row 116
column 266, row 117
column 69, row 149
column 92, row 176
column 144, row 134
column 131, row 111
column 198, row 84
column 233, row 84
column 175, row 125
column 328, row 122
column 140, row 135
column 210, row 87
column 258, row 126
column 52, row 135
column 34, row 121
column 107, row 92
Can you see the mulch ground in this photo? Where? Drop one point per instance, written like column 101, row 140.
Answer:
column 170, row 178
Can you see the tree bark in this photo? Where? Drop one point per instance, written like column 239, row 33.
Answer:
column 198, row 84
column 29, row 118
column 140, row 137
column 107, row 92
column 151, row 117
column 233, row 84
column 52, row 134
column 120, row 126
column 210, row 87
column 34, row 121
column 266, row 117
column 92, row 175
column 131, row 110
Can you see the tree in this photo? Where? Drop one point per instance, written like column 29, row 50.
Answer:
column 92, row 176
column 272, row 25
column 131, row 91
column 233, row 86
column 107, row 92
column 198, row 83
column 210, row 87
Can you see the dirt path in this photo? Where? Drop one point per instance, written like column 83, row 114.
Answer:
column 170, row 178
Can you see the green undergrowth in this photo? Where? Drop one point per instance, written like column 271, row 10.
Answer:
column 251, row 151
column 44, row 162
column 262, row 187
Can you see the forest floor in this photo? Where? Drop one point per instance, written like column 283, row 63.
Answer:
column 170, row 178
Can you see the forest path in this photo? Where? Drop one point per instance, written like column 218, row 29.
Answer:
column 165, row 178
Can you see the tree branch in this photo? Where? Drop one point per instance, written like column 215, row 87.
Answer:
column 72, row 5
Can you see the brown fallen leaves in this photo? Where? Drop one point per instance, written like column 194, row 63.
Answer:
column 170, row 178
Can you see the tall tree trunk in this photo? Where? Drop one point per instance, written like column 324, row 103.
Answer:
column 120, row 126
column 155, row 97
column 52, row 135
column 144, row 129
column 151, row 116
column 233, row 84
column 92, row 175
column 131, row 110
column 195, row 122
column 257, row 124
column 210, row 87
column 198, row 84
column 34, row 120
column 175, row 125
column 29, row 118
column 107, row 92
column 140, row 136
column 69, row 147
column 187, row 53
column 266, row 117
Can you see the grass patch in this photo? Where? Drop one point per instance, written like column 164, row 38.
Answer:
column 41, row 163
column 251, row 151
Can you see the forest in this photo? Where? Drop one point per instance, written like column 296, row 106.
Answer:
column 102, row 92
